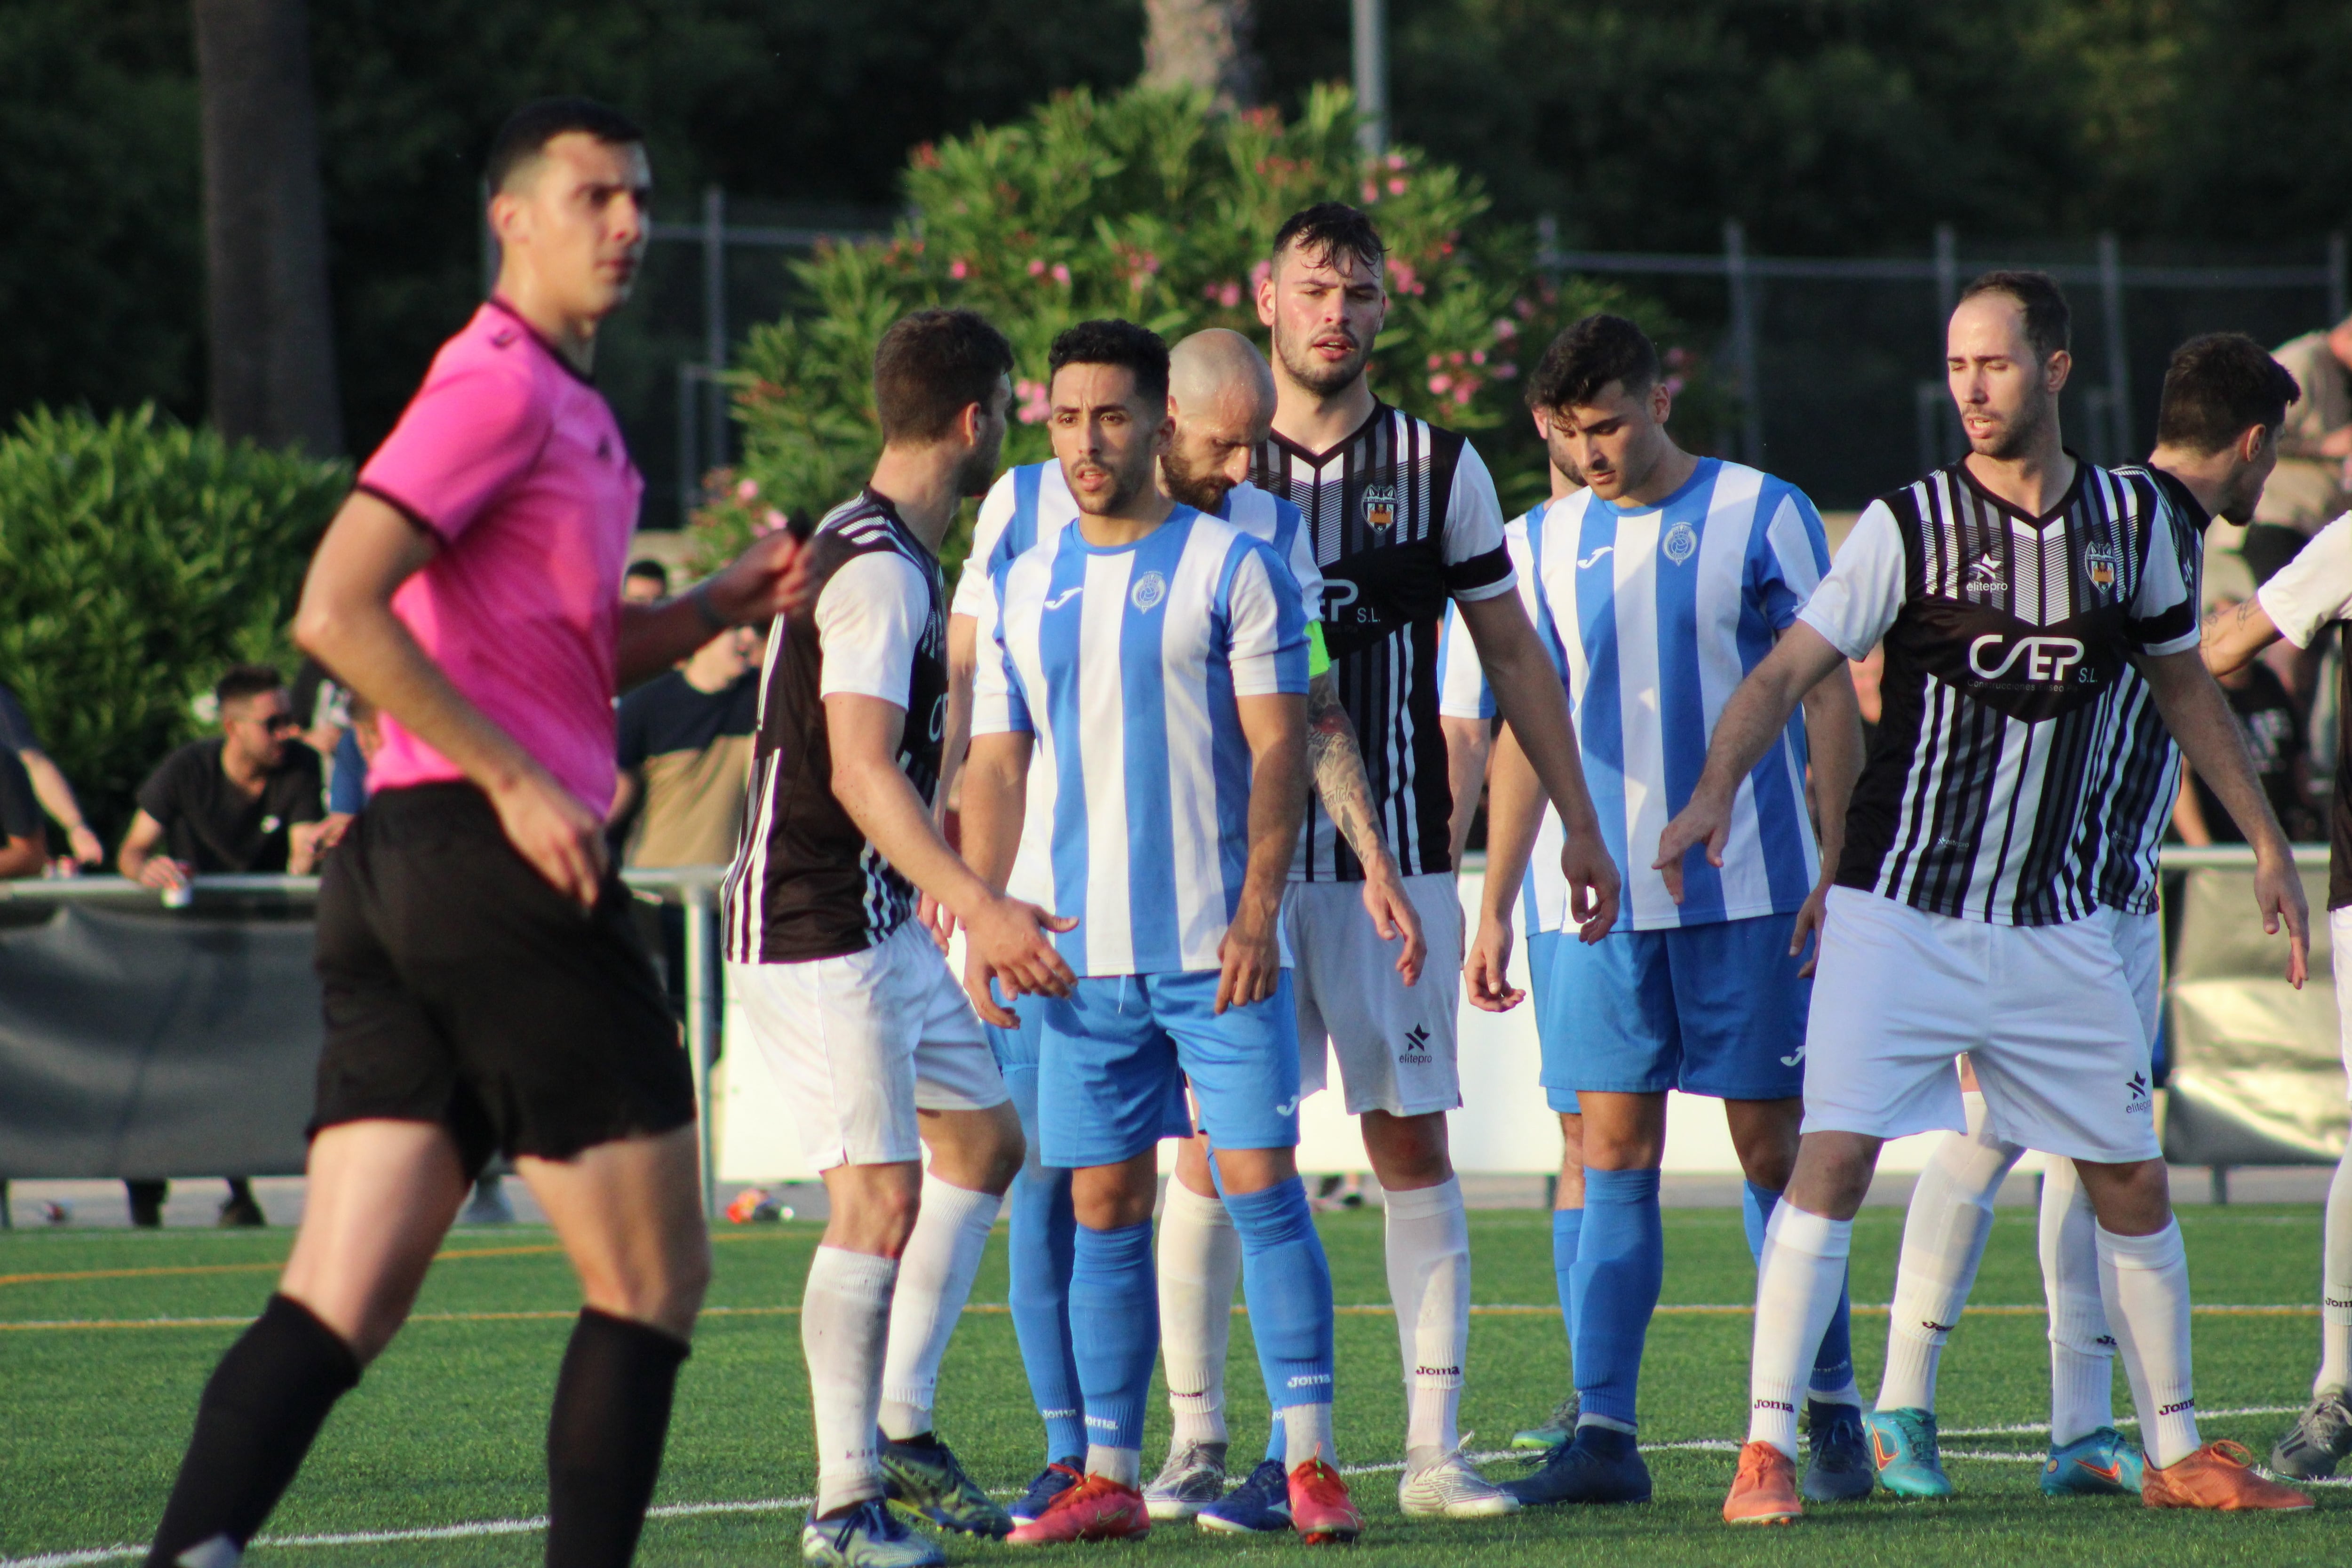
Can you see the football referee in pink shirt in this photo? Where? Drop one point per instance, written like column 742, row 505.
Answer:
column 484, row 992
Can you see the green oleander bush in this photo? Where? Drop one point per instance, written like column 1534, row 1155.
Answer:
column 138, row 558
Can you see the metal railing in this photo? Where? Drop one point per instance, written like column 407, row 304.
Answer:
column 695, row 887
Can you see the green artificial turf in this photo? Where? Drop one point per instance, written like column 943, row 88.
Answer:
column 448, row 1429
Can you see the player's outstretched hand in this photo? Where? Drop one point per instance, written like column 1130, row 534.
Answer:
column 770, row 578
column 1250, row 960
column 1593, row 887
column 1812, row 918
column 1702, row 821
column 1393, row 915
column 1486, row 969
column 2278, row 893
column 1014, row 943
column 976, row 976
column 560, row 837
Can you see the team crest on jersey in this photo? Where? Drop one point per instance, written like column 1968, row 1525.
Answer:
column 1380, row 506
column 2099, row 565
column 1681, row 542
column 1148, row 590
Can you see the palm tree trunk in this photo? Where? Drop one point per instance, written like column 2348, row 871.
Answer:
column 272, row 332
column 1203, row 44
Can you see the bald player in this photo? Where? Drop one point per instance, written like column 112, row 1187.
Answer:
column 1221, row 396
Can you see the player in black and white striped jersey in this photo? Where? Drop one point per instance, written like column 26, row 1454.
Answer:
column 2011, row 590
column 1405, row 519
column 868, row 1033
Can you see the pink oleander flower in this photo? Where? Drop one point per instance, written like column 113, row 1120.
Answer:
column 1464, row 391
column 1673, row 385
column 1062, row 273
column 1436, row 361
column 1371, row 192
column 1506, row 329
column 1478, row 356
column 1396, row 160
column 1396, row 184
column 1229, row 293
column 1036, row 267
column 1404, row 278
column 1259, row 274
column 747, row 490
column 1505, row 370
column 1439, row 383
column 1035, row 405
column 770, row 521
column 958, row 271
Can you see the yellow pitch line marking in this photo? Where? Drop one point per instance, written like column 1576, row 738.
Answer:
column 541, row 1249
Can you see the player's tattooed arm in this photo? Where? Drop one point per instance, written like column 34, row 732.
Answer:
column 1335, row 761
column 2232, row 636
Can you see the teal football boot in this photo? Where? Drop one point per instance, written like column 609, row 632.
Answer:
column 1903, row 1447
column 2104, row 1463
column 922, row 1476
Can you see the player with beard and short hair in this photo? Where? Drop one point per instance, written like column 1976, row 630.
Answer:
column 1405, row 519
column 863, row 1026
column 484, row 989
column 1149, row 664
column 1656, row 588
column 1221, row 399
column 1970, row 912
column 2223, row 403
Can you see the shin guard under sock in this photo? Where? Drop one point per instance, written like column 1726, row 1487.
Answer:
column 260, row 1413
column 604, row 1437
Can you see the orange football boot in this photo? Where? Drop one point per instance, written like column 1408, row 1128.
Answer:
column 2218, row 1475
column 1765, row 1489
column 1097, row 1509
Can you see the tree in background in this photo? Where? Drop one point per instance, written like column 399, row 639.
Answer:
column 272, row 337
column 1203, row 45
column 139, row 558
column 1150, row 205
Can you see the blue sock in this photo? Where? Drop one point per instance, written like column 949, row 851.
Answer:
column 1834, row 1363
column 1621, row 1259
column 1566, row 1224
column 1287, row 1281
column 1277, row 1441
column 1115, row 1330
column 1043, row 1236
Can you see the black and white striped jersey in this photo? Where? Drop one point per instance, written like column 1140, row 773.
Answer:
column 2009, row 779
column 2151, row 772
column 805, row 883
column 1404, row 517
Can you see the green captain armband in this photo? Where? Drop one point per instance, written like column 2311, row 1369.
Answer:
column 1318, row 660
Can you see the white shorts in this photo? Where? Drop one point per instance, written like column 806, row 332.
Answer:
column 1395, row 1042
column 2051, row 1017
column 859, row 1043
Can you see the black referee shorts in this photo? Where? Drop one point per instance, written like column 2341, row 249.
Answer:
column 462, row 989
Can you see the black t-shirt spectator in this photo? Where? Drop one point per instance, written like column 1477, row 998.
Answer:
column 2275, row 731
column 209, row 823
column 20, row 811
column 16, row 733
column 692, row 749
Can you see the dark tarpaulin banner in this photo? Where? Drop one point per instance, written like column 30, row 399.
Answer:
column 2257, row 1069
column 141, row 1042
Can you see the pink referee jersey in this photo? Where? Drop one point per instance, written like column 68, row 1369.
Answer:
column 515, row 465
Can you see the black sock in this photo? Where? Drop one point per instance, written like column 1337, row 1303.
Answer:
column 258, row 1417
column 605, row 1438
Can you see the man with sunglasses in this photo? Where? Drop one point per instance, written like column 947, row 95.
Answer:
column 247, row 799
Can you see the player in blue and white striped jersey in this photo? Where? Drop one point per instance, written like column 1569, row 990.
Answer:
column 1656, row 589
column 1149, row 663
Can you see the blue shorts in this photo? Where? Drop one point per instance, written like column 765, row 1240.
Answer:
column 1018, row 1052
column 1120, row 1046
column 1713, row 1009
column 1541, row 947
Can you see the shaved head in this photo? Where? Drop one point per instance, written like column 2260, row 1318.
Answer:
column 1221, row 395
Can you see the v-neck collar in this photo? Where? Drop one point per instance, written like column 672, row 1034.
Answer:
column 2065, row 501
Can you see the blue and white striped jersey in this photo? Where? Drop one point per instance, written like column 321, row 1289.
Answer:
column 1124, row 664
column 1032, row 503
column 1654, row 615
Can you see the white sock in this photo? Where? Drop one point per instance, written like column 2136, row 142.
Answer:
column 845, row 1319
column 2082, row 1351
column 1429, row 1282
column 1796, row 1295
column 2336, row 1283
column 1943, row 1242
column 934, row 1278
column 2145, row 1282
column 1124, row 1465
column 1306, row 1435
column 1200, row 1263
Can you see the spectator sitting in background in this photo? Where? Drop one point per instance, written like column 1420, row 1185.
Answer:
column 685, row 755
column 322, row 705
column 247, row 800
column 646, row 582
column 24, row 842
column 49, row 784
column 2307, row 490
